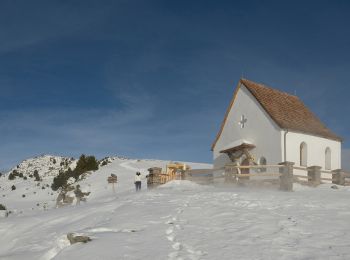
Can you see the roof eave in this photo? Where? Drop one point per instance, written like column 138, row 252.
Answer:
column 226, row 115
column 335, row 138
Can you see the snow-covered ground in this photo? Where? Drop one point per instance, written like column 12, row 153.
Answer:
column 179, row 220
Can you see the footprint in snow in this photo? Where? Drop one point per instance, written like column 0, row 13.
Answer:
column 171, row 238
column 177, row 246
column 174, row 255
column 179, row 211
column 178, row 227
column 169, row 231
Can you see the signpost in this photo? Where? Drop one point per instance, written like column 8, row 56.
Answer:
column 112, row 179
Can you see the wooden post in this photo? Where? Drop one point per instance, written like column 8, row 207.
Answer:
column 154, row 177
column 286, row 178
column 112, row 179
column 228, row 174
column 314, row 175
column 338, row 177
column 183, row 175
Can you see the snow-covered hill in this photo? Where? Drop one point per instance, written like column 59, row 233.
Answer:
column 25, row 192
column 46, row 165
column 179, row 220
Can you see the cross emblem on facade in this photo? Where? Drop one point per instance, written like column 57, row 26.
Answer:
column 243, row 121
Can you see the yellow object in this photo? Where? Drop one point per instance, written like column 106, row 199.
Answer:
column 176, row 168
column 173, row 171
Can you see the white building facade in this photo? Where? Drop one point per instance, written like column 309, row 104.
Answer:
column 276, row 127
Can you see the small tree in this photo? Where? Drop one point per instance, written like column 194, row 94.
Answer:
column 14, row 174
column 13, row 187
column 36, row 175
column 60, row 180
column 104, row 163
column 2, row 207
column 84, row 164
column 11, row 176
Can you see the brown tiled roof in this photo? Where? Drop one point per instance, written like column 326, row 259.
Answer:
column 287, row 111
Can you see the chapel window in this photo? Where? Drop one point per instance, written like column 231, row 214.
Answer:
column 303, row 154
column 262, row 161
column 328, row 162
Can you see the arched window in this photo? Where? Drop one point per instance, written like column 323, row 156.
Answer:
column 303, row 154
column 262, row 161
column 328, row 163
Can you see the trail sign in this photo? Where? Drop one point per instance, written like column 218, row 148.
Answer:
column 112, row 179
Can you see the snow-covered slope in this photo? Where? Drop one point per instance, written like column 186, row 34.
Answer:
column 46, row 165
column 29, row 193
column 182, row 220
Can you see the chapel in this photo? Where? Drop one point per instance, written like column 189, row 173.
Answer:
column 263, row 125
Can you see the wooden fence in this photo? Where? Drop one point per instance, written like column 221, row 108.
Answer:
column 201, row 176
column 287, row 174
column 154, row 180
column 280, row 174
column 283, row 174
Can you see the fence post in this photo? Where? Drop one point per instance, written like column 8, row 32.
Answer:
column 183, row 175
column 286, row 178
column 338, row 177
column 314, row 175
column 229, row 178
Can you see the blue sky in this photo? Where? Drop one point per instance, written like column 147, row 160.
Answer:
column 152, row 79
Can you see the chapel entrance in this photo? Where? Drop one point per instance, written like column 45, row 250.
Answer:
column 245, row 162
column 239, row 154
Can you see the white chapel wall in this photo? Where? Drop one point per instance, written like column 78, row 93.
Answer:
column 259, row 129
column 316, row 150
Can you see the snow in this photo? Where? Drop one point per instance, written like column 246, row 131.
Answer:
column 178, row 220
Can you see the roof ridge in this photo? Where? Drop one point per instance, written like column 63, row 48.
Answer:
column 267, row 86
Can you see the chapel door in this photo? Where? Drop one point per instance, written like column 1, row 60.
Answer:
column 245, row 170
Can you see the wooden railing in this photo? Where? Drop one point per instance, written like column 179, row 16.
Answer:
column 286, row 173
column 161, row 178
column 234, row 170
column 203, row 176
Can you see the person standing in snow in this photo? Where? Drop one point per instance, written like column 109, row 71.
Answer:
column 137, row 181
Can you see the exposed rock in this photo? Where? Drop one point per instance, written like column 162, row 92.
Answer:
column 334, row 187
column 77, row 239
column 3, row 213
